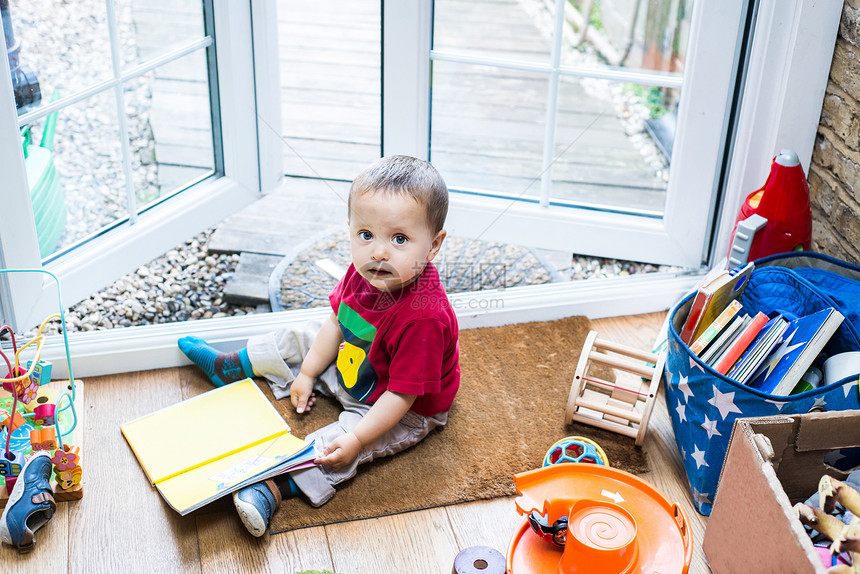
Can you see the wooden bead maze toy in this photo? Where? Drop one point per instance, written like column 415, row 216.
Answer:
column 623, row 406
column 37, row 414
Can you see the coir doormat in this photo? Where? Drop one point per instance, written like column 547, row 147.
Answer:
column 510, row 409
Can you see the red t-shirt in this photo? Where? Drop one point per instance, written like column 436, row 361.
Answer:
column 403, row 341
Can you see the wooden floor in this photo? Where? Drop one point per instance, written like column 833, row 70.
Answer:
column 122, row 524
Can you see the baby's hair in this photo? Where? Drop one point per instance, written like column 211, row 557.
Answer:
column 405, row 175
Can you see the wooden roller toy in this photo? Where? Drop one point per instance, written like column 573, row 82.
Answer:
column 623, row 406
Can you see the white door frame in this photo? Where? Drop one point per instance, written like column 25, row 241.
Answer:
column 789, row 64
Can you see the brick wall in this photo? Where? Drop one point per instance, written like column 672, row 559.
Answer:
column 834, row 175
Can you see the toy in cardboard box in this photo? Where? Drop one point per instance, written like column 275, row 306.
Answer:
column 773, row 463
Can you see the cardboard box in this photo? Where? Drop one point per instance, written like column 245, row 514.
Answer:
column 771, row 464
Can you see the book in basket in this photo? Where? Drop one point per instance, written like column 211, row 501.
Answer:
column 740, row 343
column 712, row 297
column 768, row 338
column 715, row 328
column 203, row 448
column 803, row 340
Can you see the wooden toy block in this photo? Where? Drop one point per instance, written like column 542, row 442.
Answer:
column 45, row 395
column 45, row 414
column 67, row 466
column 66, row 458
column 17, row 421
column 31, row 390
column 43, row 439
column 624, row 405
column 14, row 386
column 26, row 390
column 41, row 372
column 69, row 478
column 11, row 463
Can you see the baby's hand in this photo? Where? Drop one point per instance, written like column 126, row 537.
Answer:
column 341, row 451
column 301, row 393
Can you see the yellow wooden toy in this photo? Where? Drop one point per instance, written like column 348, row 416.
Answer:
column 45, row 395
column 67, row 466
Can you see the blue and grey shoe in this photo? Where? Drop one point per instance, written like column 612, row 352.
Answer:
column 256, row 504
column 31, row 504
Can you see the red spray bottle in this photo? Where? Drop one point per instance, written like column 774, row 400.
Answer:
column 776, row 218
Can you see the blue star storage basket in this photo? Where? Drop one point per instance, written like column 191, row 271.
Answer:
column 704, row 404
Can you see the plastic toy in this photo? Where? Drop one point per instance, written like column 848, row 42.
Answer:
column 25, row 84
column 575, row 449
column 46, row 192
column 593, row 519
column 624, row 406
column 836, row 500
column 776, row 218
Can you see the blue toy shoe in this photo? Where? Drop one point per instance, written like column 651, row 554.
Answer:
column 256, row 504
column 31, row 503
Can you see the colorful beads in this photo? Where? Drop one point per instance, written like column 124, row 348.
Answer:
column 45, row 414
column 43, row 439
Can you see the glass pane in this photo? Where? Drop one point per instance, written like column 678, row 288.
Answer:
column 628, row 33
column 76, row 177
column 170, row 127
column 56, row 46
column 604, row 153
column 330, row 55
column 150, row 28
column 510, row 30
column 487, row 128
column 642, row 36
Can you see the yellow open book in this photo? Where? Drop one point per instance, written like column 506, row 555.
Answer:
column 203, row 448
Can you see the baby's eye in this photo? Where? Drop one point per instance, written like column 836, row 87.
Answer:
column 366, row 235
column 400, row 239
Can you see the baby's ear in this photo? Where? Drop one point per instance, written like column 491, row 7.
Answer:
column 436, row 244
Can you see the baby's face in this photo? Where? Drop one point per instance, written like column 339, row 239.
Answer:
column 390, row 238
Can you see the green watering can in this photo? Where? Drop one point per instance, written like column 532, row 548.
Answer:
column 46, row 194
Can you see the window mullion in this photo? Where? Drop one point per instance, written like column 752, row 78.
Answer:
column 551, row 105
column 47, row 108
column 406, row 42
column 121, row 115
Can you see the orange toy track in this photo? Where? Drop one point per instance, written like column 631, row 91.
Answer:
column 617, row 524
